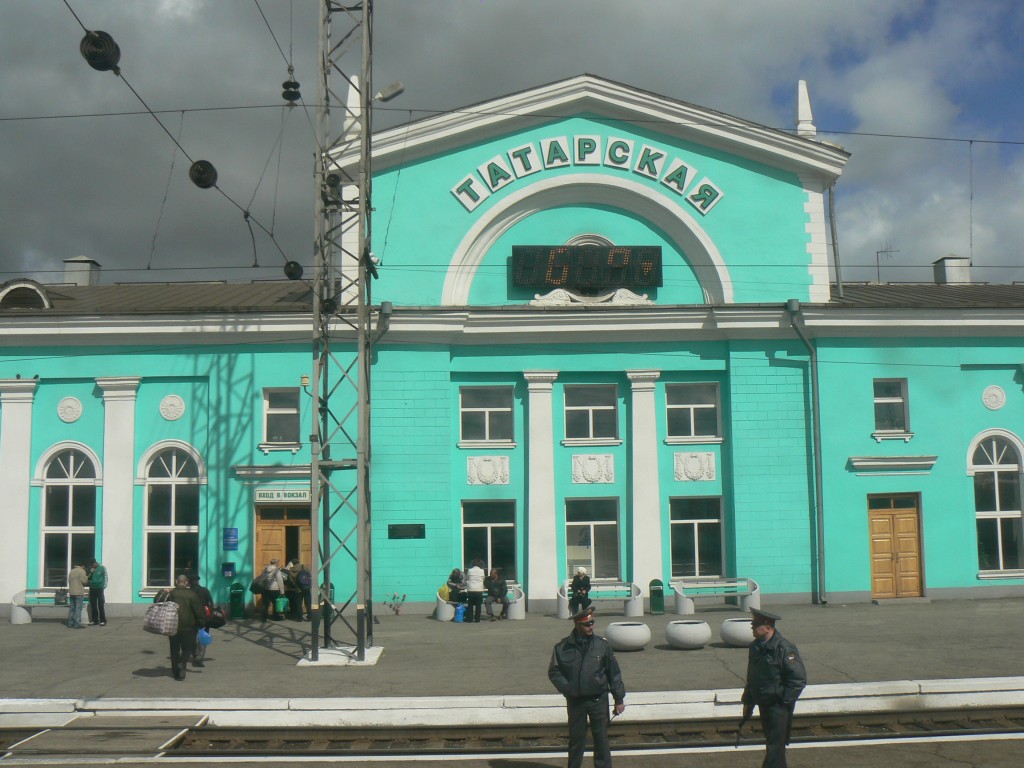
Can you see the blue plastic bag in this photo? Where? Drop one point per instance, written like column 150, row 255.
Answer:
column 204, row 637
column 460, row 614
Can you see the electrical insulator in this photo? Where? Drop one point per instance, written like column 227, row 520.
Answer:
column 292, row 270
column 100, row 52
column 291, row 91
column 203, row 174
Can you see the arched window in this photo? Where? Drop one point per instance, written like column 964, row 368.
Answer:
column 996, row 469
column 172, row 515
column 69, row 514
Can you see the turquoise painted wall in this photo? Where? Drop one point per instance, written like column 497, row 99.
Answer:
column 222, row 389
column 945, row 381
column 771, row 465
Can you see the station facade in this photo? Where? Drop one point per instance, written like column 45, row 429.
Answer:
column 614, row 345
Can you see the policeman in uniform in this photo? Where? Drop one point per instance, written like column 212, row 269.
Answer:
column 583, row 669
column 775, row 680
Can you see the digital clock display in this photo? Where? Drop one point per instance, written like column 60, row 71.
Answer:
column 586, row 266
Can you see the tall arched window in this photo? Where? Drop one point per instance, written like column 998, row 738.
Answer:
column 172, row 515
column 69, row 514
column 996, row 468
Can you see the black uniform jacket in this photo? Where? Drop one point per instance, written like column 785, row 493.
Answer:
column 775, row 672
column 585, row 668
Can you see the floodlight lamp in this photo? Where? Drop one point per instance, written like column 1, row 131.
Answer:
column 388, row 92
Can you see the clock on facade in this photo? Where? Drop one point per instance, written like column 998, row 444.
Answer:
column 586, row 266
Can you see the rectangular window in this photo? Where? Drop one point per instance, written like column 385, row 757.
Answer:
column 696, row 537
column 489, row 533
column 281, row 416
column 692, row 410
column 592, row 537
column 892, row 413
column 591, row 412
column 486, row 413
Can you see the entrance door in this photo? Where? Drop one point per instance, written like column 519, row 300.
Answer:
column 895, row 546
column 282, row 533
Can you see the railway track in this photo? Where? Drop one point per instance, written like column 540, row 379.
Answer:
column 206, row 741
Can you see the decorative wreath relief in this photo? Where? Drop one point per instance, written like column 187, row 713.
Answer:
column 691, row 467
column 69, row 409
column 487, row 470
column 172, row 407
column 593, row 468
column 993, row 397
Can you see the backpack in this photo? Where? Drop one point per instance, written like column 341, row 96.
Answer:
column 305, row 579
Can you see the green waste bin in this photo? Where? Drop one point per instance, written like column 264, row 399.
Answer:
column 237, row 601
column 657, row 597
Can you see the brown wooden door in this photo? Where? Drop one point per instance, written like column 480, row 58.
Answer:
column 282, row 533
column 895, row 547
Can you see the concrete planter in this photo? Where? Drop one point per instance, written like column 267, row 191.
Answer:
column 628, row 635
column 689, row 634
column 736, row 633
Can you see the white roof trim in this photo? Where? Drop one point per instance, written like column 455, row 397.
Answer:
column 587, row 93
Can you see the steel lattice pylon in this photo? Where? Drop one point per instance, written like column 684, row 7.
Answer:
column 340, row 439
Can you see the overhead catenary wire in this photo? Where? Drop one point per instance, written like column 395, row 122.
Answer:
column 120, row 75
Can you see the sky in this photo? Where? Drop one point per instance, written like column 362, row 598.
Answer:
column 927, row 95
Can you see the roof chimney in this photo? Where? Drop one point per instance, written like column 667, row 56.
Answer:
column 952, row 269
column 81, row 270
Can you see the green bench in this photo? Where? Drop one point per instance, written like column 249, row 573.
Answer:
column 746, row 592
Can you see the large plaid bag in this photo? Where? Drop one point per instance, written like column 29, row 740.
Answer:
column 162, row 618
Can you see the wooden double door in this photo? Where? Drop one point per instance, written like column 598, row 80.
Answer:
column 894, row 524
column 283, row 533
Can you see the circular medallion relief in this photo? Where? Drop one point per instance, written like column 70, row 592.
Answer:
column 993, row 397
column 69, row 409
column 172, row 407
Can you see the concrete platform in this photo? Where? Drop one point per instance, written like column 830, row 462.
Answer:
column 858, row 657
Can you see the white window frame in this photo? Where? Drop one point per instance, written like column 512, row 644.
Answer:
column 72, row 480
column 695, row 523
column 271, row 445
column 903, row 400
column 571, row 564
column 692, row 407
column 174, row 480
column 488, row 440
column 490, row 540
column 590, row 439
column 996, row 466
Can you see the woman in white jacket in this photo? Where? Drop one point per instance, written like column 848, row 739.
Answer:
column 475, row 586
column 272, row 588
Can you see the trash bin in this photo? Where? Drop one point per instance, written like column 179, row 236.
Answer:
column 657, row 597
column 237, row 601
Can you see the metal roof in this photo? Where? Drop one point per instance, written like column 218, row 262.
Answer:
column 175, row 298
column 929, row 295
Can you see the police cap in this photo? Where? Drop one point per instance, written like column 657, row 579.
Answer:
column 763, row 617
column 583, row 614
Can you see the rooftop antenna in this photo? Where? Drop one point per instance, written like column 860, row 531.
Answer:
column 888, row 251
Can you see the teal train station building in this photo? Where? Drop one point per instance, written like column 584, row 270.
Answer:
column 616, row 343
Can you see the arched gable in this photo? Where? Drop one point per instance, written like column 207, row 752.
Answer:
column 625, row 194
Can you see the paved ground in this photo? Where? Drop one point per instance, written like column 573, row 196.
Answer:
column 423, row 657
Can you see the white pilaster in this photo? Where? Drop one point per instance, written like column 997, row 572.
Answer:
column 543, row 574
column 119, row 394
column 647, row 559
column 16, row 397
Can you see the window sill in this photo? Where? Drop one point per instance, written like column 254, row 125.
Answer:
column 477, row 444
column 904, row 436
column 1014, row 574
column 148, row 593
column 697, row 440
column 571, row 442
column 267, row 448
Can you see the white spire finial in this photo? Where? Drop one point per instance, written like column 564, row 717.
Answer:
column 804, row 118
